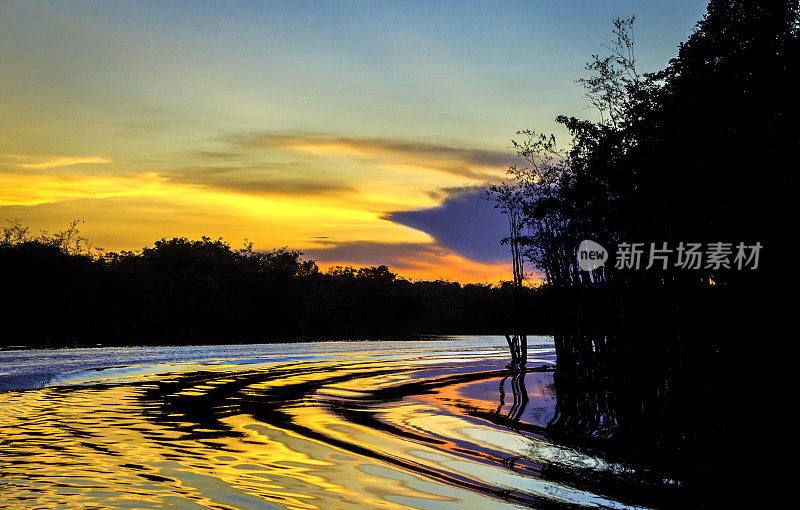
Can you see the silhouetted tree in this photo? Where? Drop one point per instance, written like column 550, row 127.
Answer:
column 508, row 199
column 702, row 151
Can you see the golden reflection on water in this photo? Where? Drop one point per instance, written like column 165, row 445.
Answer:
column 358, row 434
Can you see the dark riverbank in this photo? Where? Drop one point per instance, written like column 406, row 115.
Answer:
column 414, row 338
column 203, row 292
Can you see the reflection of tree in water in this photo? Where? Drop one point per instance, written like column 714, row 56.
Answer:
column 641, row 381
column 519, row 394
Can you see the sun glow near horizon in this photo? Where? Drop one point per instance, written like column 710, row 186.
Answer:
column 363, row 140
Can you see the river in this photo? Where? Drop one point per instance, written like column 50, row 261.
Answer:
column 417, row 424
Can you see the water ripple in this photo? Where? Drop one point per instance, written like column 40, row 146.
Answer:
column 403, row 430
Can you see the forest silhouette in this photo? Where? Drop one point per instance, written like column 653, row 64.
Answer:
column 60, row 292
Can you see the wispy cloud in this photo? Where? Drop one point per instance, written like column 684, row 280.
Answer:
column 398, row 154
column 259, row 180
column 38, row 163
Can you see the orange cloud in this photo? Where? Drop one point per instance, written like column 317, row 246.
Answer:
column 425, row 261
column 453, row 267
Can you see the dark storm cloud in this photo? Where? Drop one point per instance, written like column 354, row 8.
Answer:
column 464, row 222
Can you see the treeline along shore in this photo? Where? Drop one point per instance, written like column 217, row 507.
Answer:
column 201, row 291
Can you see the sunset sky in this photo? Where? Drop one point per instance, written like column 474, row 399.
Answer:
column 358, row 132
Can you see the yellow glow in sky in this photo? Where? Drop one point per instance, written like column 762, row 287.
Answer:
column 33, row 189
column 127, row 208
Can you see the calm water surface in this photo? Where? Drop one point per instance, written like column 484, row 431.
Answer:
column 424, row 424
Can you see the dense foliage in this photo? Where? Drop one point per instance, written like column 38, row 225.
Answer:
column 652, row 360
column 704, row 150
column 200, row 291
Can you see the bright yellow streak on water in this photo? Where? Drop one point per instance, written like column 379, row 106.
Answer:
column 112, row 447
column 256, row 436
